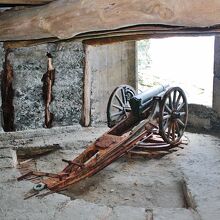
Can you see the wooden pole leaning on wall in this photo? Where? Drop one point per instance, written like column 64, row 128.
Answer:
column 7, row 93
column 48, row 81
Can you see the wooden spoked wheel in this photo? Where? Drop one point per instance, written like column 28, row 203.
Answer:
column 173, row 115
column 118, row 104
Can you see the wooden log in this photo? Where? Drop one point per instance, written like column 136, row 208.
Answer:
column 24, row 2
column 48, row 81
column 7, row 94
column 24, row 152
column 65, row 19
column 125, row 34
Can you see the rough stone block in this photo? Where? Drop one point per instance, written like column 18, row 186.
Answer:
column 202, row 117
column 7, row 159
column 128, row 213
column 82, row 210
column 68, row 86
column 29, row 65
column 172, row 214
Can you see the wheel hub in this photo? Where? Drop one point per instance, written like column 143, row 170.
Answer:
column 175, row 115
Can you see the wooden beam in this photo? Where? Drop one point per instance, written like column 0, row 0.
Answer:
column 87, row 92
column 24, row 2
column 27, row 43
column 125, row 34
column 216, row 77
column 66, row 19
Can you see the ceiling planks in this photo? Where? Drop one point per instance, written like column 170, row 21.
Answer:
column 65, row 19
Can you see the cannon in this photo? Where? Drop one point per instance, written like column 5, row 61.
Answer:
column 168, row 105
column 133, row 120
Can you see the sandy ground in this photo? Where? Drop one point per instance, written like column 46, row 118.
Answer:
column 183, row 185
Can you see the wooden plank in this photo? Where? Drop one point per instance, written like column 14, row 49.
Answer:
column 66, row 19
column 27, row 43
column 121, row 35
column 216, row 77
column 109, row 64
column 24, row 2
column 87, row 91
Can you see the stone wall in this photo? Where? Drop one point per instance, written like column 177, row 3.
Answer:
column 29, row 65
column 111, row 65
column 68, row 87
column 202, row 118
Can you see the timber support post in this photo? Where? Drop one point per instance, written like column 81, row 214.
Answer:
column 7, row 93
column 48, row 81
column 216, row 77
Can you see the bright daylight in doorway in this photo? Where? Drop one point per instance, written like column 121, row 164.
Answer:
column 180, row 61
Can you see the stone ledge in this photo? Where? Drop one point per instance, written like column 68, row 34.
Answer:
column 38, row 132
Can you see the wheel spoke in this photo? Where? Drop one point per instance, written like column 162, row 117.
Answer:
column 117, row 114
column 127, row 107
column 168, row 108
column 177, row 129
column 180, row 106
column 169, row 129
column 118, row 107
column 170, row 102
column 178, row 99
column 180, row 122
column 173, row 132
column 174, row 99
column 167, row 116
column 119, row 100
column 123, row 95
column 182, row 113
column 166, row 125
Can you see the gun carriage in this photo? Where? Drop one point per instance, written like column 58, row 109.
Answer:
column 155, row 118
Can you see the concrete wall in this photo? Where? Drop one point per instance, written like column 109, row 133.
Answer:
column 109, row 66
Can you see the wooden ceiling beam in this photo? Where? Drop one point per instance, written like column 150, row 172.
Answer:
column 65, row 19
column 125, row 34
column 24, row 2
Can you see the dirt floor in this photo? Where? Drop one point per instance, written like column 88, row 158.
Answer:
column 182, row 185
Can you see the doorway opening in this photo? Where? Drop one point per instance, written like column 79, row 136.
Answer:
column 186, row 62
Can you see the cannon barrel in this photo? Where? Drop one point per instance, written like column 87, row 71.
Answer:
column 139, row 102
